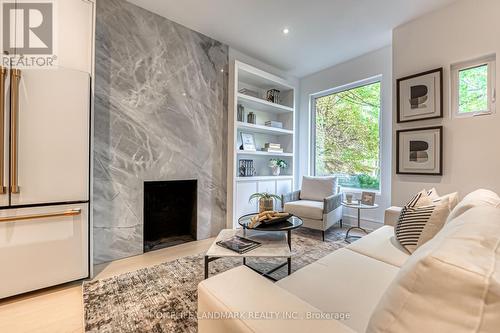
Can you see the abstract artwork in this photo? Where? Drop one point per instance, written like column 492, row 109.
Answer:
column 420, row 151
column 420, row 96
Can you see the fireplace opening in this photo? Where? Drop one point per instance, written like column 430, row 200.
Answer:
column 170, row 213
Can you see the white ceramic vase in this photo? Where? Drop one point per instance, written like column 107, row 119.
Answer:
column 276, row 171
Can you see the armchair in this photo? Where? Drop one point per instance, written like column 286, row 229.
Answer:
column 318, row 204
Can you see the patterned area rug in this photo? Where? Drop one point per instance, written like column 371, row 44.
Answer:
column 163, row 298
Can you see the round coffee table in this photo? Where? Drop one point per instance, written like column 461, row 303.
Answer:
column 359, row 207
column 285, row 226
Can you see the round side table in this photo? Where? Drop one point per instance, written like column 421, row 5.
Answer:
column 359, row 207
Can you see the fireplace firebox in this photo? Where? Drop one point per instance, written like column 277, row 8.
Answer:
column 170, row 213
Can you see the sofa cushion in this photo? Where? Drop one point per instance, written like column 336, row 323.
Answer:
column 305, row 208
column 318, row 188
column 479, row 198
column 450, row 284
column 242, row 291
column 342, row 282
column 382, row 245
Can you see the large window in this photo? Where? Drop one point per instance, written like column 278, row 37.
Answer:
column 346, row 135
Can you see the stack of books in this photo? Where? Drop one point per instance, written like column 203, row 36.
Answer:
column 272, row 148
column 276, row 124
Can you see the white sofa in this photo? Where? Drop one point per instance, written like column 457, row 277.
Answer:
column 364, row 278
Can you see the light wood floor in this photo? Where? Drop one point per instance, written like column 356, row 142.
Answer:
column 60, row 309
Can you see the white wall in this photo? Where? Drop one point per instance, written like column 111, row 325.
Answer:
column 462, row 31
column 372, row 64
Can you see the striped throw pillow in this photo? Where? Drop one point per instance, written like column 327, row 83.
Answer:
column 420, row 220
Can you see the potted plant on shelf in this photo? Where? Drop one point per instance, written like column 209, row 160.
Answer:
column 266, row 201
column 277, row 165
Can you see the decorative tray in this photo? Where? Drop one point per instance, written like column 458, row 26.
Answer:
column 269, row 217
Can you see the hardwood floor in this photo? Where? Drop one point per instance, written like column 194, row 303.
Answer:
column 60, row 309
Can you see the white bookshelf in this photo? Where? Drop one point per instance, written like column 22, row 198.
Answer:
column 243, row 76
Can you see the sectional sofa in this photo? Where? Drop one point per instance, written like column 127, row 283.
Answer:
column 450, row 284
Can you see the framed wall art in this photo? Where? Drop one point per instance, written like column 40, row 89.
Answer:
column 420, row 151
column 420, row 96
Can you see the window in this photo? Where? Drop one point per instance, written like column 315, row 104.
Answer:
column 473, row 87
column 346, row 138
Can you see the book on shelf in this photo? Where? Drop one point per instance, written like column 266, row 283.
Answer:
column 272, row 145
column 273, row 150
column 272, row 123
column 239, row 244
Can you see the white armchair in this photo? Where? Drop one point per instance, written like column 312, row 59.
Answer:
column 318, row 204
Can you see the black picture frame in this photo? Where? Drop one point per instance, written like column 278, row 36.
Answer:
column 398, row 93
column 441, row 152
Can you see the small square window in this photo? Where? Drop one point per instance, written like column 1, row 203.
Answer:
column 473, row 87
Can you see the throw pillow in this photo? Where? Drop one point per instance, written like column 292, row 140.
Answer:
column 318, row 188
column 420, row 220
column 451, row 284
column 479, row 198
column 433, row 194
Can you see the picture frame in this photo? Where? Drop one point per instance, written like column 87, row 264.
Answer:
column 419, row 151
column 420, row 96
column 248, row 142
column 368, row 198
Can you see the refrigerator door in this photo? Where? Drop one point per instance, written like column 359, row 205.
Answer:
column 41, row 247
column 4, row 135
column 53, row 136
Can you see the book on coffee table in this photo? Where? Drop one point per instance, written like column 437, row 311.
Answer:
column 239, row 244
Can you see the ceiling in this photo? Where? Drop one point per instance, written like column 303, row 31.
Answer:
column 323, row 33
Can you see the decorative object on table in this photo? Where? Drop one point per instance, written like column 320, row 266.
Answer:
column 248, row 142
column 419, row 151
column 241, row 112
column 420, row 96
column 266, row 201
column 275, row 124
column 249, row 92
column 252, row 118
column 239, row 244
column 268, row 217
column 273, row 96
column 368, row 198
column 273, row 148
column 277, row 165
column 246, row 168
column 348, row 198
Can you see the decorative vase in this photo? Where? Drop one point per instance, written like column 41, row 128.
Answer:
column 276, row 171
column 241, row 112
column 252, row 118
column 266, row 205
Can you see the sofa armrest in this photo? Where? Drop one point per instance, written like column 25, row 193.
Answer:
column 236, row 300
column 392, row 215
column 332, row 202
column 289, row 197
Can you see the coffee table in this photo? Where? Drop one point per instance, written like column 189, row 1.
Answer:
column 275, row 242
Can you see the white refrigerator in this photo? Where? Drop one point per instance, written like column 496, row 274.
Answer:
column 44, row 178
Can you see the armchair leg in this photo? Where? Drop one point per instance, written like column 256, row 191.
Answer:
column 323, row 234
column 340, row 223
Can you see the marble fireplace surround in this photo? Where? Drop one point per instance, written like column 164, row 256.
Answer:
column 160, row 114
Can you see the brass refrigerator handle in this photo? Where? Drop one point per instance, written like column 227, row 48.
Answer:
column 3, row 74
column 72, row 212
column 15, row 76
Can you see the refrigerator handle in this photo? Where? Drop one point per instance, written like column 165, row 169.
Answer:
column 15, row 77
column 3, row 75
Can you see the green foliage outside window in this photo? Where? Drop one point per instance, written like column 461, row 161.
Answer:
column 347, row 136
column 473, row 89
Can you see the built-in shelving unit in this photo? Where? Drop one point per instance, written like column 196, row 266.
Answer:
column 257, row 83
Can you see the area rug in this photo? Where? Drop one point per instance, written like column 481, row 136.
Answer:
column 163, row 298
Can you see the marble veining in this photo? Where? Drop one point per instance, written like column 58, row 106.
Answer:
column 160, row 114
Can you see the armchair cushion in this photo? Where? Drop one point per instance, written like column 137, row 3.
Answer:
column 318, row 188
column 306, row 209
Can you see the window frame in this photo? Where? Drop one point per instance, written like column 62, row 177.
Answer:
column 312, row 137
column 455, row 70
